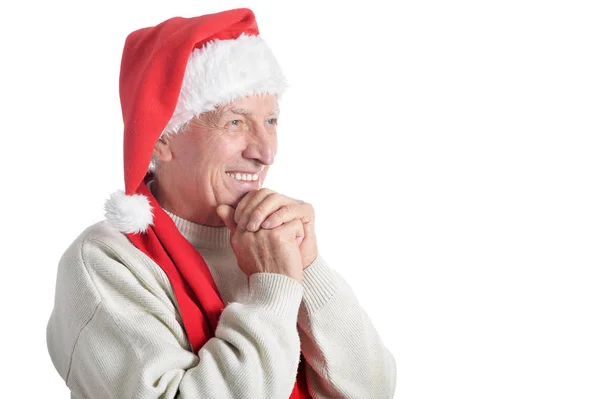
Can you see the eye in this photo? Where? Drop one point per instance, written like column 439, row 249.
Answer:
column 272, row 121
column 235, row 124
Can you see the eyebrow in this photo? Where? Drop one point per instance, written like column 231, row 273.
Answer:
column 241, row 111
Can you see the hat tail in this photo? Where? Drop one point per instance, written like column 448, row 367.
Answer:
column 130, row 214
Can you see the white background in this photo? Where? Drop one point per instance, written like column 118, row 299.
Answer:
column 450, row 149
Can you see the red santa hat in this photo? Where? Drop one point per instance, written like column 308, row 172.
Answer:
column 177, row 70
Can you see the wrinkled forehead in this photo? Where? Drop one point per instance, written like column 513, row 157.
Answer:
column 256, row 105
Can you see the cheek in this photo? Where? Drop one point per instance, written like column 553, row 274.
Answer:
column 222, row 155
column 208, row 152
column 225, row 150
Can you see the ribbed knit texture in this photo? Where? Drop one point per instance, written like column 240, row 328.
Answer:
column 116, row 332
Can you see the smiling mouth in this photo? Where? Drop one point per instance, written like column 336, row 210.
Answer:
column 242, row 176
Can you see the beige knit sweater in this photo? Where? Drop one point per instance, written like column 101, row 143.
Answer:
column 116, row 332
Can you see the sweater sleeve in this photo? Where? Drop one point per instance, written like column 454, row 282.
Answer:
column 134, row 346
column 346, row 356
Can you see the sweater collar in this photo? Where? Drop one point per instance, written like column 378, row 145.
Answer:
column 201, row 236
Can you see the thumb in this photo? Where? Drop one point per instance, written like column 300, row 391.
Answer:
column 227, row 213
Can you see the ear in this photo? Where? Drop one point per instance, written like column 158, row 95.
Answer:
column 162, row 149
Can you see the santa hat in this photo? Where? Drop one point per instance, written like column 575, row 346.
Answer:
column 174, row 71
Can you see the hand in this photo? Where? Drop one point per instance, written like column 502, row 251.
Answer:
column 266, row 209
column 266, row 251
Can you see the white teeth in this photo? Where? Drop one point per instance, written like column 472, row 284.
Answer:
column 243, row 177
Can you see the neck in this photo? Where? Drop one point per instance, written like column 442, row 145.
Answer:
column 202, row 236
column 173, row 201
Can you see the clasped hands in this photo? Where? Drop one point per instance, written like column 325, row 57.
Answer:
column 266, row 209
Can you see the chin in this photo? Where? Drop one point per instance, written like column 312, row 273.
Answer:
column 231, row 200
column 235, row 203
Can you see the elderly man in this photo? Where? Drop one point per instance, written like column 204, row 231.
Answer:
column 200, row 283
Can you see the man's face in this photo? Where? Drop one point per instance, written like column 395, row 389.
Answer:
column 223, row 154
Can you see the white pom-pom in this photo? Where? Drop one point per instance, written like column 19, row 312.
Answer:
column 128, row 213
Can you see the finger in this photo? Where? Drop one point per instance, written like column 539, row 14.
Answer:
column 259, row 204
column 293, row 231
column 226, row 212
column 303, row 211
column 251, row 199
column 253, row 218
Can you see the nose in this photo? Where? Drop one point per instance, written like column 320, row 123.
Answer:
column 262, row 146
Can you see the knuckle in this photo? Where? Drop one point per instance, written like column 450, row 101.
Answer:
column 247, row 238
column 277, row 217
column 283, row 214
column 264, row 234
column 310, row 214
column 246, row 214
column 274, row 236
column 280, row 231
column 286, row 210
column 245, row 203
column 238, row 214
column 259, row 211
column 272, row 196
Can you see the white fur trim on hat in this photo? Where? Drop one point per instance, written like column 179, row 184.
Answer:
column 222, row 71
column 128, row 213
